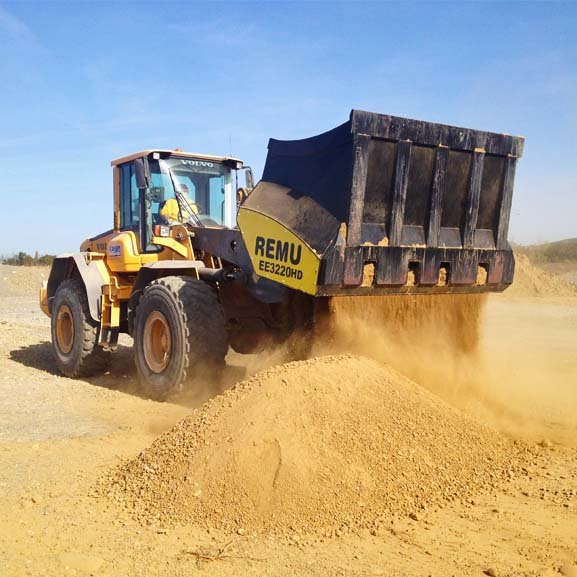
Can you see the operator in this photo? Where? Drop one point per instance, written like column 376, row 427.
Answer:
column 173, row 213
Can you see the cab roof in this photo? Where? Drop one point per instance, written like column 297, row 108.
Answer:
column 178, row 153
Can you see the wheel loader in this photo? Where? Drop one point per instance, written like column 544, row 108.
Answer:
column 193, row 264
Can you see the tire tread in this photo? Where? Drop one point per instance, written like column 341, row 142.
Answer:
column 93, row 359
column 198, row 306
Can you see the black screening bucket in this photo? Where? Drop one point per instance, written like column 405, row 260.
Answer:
column 393, row 205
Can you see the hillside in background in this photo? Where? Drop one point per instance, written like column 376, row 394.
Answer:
column 559, row 258
column 551, row 252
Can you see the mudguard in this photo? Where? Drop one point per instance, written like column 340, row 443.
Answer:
column 91, row 269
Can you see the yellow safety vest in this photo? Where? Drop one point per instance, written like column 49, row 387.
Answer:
column 170, row 210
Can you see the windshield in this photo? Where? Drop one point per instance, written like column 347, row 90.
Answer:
column 202, row 187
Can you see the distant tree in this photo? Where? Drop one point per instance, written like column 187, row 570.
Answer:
column 46, row 259
column 24, row 259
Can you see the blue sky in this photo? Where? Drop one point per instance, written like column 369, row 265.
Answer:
column 83, row 83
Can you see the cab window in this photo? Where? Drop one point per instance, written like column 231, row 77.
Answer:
column 131, row 209
column 129, row 199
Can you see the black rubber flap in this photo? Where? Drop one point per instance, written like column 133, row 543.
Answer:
column 315, row 176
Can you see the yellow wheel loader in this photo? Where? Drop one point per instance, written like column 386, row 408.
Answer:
column 193, row 264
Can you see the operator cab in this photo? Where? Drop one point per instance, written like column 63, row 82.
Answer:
column 163, row 187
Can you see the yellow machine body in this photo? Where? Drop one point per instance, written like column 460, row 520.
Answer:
column 110, row 263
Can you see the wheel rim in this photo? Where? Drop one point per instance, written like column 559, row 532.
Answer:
column 65, row 329
column 157, row 342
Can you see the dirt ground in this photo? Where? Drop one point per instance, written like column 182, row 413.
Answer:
column 59, row 436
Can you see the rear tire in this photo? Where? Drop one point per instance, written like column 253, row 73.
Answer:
column 74, row 333
column 179, row 330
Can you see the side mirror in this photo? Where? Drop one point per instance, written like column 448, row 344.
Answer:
column 142, row 172
column 249, row 177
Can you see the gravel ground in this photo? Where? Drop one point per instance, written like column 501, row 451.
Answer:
column 59, row 437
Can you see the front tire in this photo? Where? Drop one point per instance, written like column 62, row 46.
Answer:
column 74, row 333
column 179, row 330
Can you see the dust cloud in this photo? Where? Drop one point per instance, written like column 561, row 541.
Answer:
column 508, row 360
column 485, row 360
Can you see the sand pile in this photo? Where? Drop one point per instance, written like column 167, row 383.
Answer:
column 324, row 445
column 532, row 281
